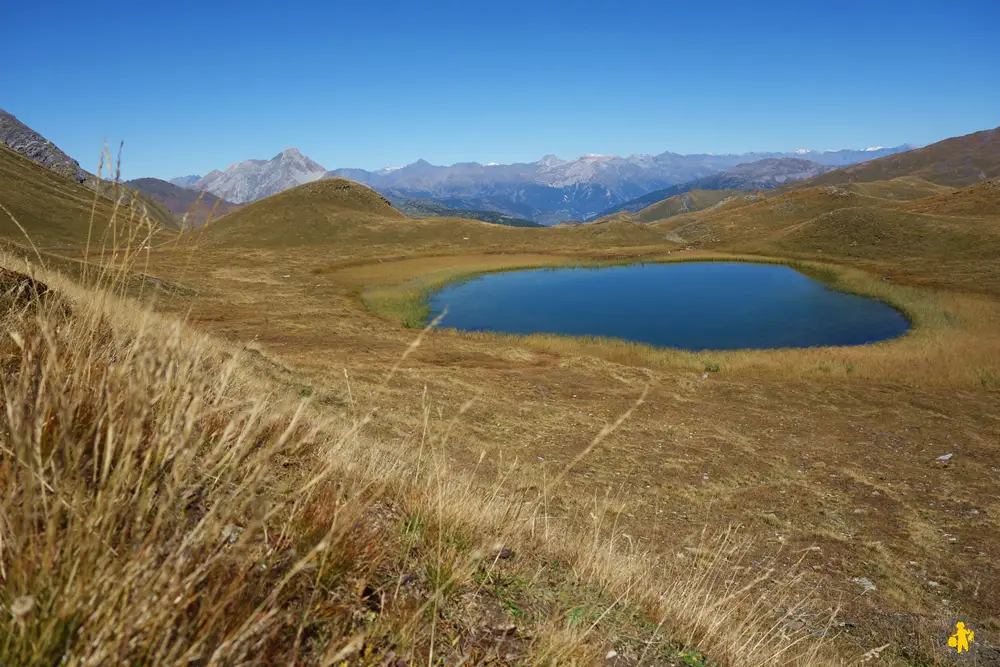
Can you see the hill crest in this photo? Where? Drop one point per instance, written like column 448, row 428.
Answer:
column 956, row 162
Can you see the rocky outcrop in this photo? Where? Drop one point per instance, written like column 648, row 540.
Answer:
column 19, row 137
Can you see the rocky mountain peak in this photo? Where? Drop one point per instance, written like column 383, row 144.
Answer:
column 551, row 161
column 291, row 153
column 250, row 180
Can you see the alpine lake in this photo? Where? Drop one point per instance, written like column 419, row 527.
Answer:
column 691, row 306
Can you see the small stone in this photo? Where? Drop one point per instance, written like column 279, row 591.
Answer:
column 231, row 532
column 932, row 584
column 945, row 457
column 22, row 605
column 506, row 629
column 612, row 654
column 864, row 582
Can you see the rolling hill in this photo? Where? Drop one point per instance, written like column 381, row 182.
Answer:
column 348, row 220
column 950, row 238
column 25, row 141
column 957, row 162
column 192, row 208
column 687, row 202
column 55, row 211
column 315, row 212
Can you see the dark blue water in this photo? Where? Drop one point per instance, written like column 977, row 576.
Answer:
column 695, row 306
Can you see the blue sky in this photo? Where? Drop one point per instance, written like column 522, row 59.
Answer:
column 192, row 86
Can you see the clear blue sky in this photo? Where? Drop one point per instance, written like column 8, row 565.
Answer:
column 192, row 86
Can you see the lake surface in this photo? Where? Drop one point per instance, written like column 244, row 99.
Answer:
column 694, row 306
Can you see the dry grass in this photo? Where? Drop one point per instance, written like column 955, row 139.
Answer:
column 168, row 499
column 835, row 447
column 376, row 530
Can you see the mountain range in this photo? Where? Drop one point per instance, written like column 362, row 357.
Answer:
column 759, row 175
column 549, row 190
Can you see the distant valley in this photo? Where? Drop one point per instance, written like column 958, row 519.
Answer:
column 193, row 208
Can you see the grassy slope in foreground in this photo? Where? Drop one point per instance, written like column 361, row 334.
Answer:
column 220, row 518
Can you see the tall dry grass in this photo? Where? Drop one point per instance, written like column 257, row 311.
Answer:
column 165, row 501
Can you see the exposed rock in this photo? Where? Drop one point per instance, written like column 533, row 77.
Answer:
column 255, row 179
column 22, row 606
column 20, row 138
column 867, row 584
column 231, row 533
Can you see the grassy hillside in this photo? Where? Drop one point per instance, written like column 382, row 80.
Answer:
column 54, row 211
column 191, row 207
column 945, row 239
column 694, row 200
column 903, row 188
column 354, row 221
column 957, row 162
column 982, row 199
column 316, row 212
